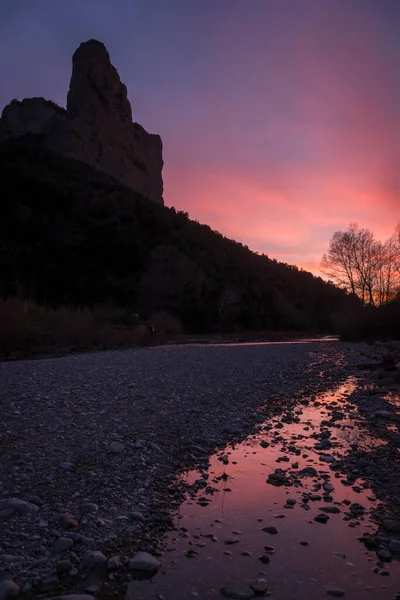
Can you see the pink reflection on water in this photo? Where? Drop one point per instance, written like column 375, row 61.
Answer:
column 243, row 503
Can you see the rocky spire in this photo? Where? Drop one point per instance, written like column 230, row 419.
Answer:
column 97, row 126
column 95, row 85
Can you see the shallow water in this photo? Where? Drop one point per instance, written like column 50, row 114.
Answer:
column 328, row 338
column 244, row 503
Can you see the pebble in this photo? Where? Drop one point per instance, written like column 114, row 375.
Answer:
column 73, row 597
column 259, row 586
column 330, row 509
column 237, row 593
column 63, row 544
column 270, row 529
column 321, row 519
column 92, row 559
column 335, row 592
column 64, row 566
column 114, row 563
column 89, row 507
column 8, row 589
column 18, row 506
column 394, row 545
column 116, row 447
column 384, row 553
column 142, row 561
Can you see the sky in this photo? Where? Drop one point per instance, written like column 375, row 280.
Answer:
column 280, row 119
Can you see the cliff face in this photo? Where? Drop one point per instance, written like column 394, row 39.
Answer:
column 97, row 126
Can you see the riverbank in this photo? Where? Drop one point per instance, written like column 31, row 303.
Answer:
column 94, row 442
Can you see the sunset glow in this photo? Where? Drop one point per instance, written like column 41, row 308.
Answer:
column 279, row 119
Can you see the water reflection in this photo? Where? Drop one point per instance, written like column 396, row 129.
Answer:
column 226, row 528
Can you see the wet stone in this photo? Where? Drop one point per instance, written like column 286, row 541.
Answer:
column 308, row 472
column 394, row 546
column 237, row 593
column 384, row 554
column 73, row 597
column 335, row 592
column 330, row 509
column 259, row 586
column 271, row 530
column 142, row 561
column 321, row 519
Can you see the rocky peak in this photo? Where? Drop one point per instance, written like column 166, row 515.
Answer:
column 95, row 84
column 97, row 126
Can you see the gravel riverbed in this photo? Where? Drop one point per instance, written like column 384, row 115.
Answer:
column 91, row 445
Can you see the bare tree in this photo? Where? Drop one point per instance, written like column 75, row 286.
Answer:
column 364, row 266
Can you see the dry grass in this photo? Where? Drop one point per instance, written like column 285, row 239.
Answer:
column 28, row 329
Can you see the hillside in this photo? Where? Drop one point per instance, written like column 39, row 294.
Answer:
column 72, row 236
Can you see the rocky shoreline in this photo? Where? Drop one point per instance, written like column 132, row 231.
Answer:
column 91, row 447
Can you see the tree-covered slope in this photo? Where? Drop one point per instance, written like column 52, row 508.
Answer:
column 70, row 235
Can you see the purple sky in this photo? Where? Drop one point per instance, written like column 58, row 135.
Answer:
column 280, row 118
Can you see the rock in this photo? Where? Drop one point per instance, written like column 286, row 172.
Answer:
column 391, row 525
column 264, row 444
column 328, row 458
column 97, row 126
column 92, row 559
column 114, row 563
column 137, row 516
column 233, row 540
column 291, row 501
column 142, row 561
column 68, row 521
column 308, row 472
column 357, row 509
column 321, row 519
column 328, row 487
column 264, row 559
column 48, row 583
column 394, row 545
column 89, row 507
column 116, row 447
column 8, row 589
column 277, row 478
column 335, row 592
column 64, row 566
column 63, row 544
column 259, row 586
column 271, row 530
column 314, row 497
column 18, row 506
column 73, row 597
column 65, row 466
column 384, row 554
column 304, row 543
column 10, row 558
column 385, row 414
column 92, row 589
column 237, row 593
column 330, row 509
